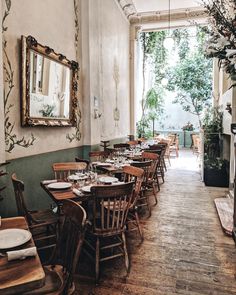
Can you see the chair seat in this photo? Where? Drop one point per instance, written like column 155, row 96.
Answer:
column 53, row 282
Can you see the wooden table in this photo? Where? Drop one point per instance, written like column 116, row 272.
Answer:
column 59, row 195
column 19, row 276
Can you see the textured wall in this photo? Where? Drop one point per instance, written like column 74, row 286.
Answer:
column 2, row 136
column 52, row 23
column 105, row 63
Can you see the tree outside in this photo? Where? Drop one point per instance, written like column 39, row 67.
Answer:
column 183, row 71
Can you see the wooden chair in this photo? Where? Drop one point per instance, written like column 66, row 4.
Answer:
column 133, row 142
column 110, row 209
column 167, row 151
column 79, row 160
column 174, row 144
column 121, row 147
column 151, row 180
column 63, row 170
column 143, row 200
column 160, row 149
column 135, row 174
column 43, row 224
column 97, row 155
column 59, row 274
column 196, row 144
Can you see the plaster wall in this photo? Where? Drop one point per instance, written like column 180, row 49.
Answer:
column 2, row 135
column 52, row 24
column 105, row 60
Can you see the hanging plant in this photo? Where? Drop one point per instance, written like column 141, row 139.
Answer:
column 222, row 34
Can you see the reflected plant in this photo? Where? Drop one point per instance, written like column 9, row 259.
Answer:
column 47, row 110
column 11, row 139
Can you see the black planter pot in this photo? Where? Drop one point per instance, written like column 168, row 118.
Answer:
column 216, row 177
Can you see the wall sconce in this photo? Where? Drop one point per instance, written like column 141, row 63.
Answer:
column 97, row 113
column 229, row 108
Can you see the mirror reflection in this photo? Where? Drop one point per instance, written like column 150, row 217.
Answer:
column 49, row 87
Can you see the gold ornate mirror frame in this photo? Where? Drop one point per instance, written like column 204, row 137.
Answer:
column 29, row 45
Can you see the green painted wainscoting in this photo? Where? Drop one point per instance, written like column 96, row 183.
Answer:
column 34, row 169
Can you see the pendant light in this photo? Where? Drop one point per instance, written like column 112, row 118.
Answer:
column 168, row 42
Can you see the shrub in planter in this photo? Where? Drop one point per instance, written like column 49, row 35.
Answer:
column 216, row 169
column 216, row 173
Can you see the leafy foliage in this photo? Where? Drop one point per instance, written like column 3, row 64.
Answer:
column 152, row 101
column 191, row 78
column 222, row 34
column 11, row 139
column 47, row 110
column 212, row 125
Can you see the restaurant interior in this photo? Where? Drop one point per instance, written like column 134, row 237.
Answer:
column 87, row 206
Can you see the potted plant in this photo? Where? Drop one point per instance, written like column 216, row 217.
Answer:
column 216, row 169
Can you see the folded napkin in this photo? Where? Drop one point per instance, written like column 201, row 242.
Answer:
column 49, row 181
column 77, row 192
column 21, row 254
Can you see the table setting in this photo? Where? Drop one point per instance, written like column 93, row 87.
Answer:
column 18, row 255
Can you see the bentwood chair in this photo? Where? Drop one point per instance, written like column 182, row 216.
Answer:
column 63, row 170
column 59, row 274
column 106, row 238
column 42, row 224
column 137, row 175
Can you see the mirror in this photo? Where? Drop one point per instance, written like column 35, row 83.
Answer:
column 49, row 86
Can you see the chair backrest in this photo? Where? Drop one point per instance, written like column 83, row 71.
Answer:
column 121, row 146
column 135, row 174
column 154, row 158
column 19, row 187
column 97, row 155
column 133, row 142
column 63, row 170
column 79, row 160
column 70, row 240
column 111, row 204
column 172, row 137
column 146, row 166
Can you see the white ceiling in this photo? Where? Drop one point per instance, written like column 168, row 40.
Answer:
column 143, row 6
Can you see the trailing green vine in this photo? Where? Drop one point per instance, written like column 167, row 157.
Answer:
column 77, row 134
column 11, row 139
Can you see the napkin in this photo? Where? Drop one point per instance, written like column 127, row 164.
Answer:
column 49, row 181
column 77, row 192
column 21, row 254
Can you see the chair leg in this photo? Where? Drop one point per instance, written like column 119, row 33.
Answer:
column 125, row 253
column 148, row 206
column 97, row 259
column 157, row 181
column 154, row 192
column 139, row 225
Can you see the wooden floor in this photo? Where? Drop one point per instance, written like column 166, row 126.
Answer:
column 185, row 250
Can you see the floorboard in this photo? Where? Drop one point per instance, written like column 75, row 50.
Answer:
column 184, row 251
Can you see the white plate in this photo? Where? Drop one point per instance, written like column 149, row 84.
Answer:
column 13, row 237
column 74, row 177
column 110, row 161
column 86, row 189
column 108, row 179
column 60, row 185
